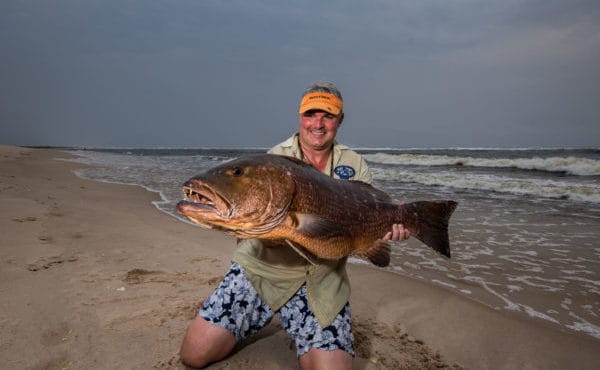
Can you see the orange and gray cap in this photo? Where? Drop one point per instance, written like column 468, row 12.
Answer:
column 322, row 95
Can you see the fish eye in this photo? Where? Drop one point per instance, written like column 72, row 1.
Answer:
column 236, row 171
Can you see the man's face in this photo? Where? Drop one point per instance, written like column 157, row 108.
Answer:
column 318, row 129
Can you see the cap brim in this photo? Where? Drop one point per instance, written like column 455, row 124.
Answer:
column 320, row 106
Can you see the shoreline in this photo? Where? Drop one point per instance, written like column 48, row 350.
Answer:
column 93, row 276
column 463, row 274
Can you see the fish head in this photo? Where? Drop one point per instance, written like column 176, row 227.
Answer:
column 246, row 197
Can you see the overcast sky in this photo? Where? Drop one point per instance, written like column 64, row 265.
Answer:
column 206, row 73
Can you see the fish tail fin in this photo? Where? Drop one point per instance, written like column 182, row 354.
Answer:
column 431, row 223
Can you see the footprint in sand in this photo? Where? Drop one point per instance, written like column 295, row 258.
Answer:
column 45, row 263
column 137, row 276
column 392, row 348
column 25, row 219
column 140, row 275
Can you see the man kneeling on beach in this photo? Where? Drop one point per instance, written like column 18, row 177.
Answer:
column 312, row 300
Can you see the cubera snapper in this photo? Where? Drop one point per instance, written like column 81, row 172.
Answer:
column 275, row 197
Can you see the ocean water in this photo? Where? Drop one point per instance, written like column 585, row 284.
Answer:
column 524, row 238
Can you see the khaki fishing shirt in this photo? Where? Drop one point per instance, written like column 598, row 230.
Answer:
column 277, row 272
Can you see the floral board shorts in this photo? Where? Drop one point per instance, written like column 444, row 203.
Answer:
column 237, row 307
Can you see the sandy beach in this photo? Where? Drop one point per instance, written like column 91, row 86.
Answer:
column 93, row 276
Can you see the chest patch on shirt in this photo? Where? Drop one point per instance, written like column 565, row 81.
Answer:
column 344, row 172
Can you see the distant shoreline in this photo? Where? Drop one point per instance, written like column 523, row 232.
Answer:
column 357, row 148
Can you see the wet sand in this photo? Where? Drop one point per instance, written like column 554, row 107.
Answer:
column 93, row 276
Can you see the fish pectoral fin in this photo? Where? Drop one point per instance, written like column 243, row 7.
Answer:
column 378, row 254
column 303, row 252
column 315, row 226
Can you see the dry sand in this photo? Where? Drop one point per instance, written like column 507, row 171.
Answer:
column 92, row 276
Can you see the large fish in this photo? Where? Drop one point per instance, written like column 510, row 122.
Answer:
column 275, row 197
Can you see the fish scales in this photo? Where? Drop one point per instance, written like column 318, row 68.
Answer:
column 275, row 197
column 359, row 215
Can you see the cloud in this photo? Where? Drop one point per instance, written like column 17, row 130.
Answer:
column 432, row 72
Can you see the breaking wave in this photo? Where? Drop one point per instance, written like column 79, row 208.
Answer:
column 545, row 188
column 571, row 165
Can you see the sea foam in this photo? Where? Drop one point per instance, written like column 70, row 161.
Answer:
column 571, row 165
column 545, row 188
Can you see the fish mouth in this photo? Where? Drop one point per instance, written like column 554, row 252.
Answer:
column 203, row 203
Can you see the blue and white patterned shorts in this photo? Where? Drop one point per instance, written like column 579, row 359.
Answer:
column 237, row 307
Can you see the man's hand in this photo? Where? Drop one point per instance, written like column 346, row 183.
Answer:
column 398, row 233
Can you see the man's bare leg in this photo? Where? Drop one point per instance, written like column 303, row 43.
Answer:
column 316, row 359
column 205, row 343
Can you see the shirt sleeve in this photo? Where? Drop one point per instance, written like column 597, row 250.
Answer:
column 363, row 172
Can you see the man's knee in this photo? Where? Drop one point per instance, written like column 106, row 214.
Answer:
column 205, row 343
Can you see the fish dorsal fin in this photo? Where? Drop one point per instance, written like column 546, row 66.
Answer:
column 303, row 252
column 378, row 254
column 379, row 195
column 315, row 226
